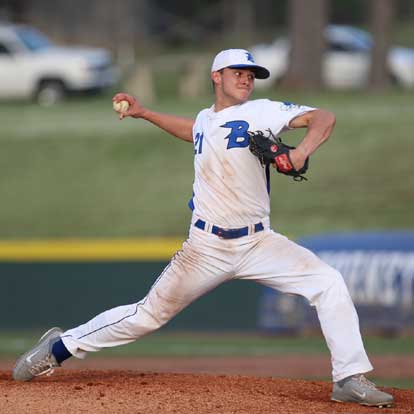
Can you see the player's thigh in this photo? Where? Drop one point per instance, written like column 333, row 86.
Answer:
column 189, row 275
column 282, row 264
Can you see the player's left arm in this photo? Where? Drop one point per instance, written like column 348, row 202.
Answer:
column 319, row 124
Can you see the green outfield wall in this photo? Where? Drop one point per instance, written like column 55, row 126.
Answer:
column 67, row 283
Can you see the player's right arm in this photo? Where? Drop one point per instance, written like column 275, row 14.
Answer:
column 178, row 126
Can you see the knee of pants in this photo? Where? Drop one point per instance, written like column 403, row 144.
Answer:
column 333, row 289
column 149, row 319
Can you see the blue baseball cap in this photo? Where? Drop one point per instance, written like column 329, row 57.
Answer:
column 238, row 59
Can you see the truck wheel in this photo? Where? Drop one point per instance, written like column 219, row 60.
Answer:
column 50, row 93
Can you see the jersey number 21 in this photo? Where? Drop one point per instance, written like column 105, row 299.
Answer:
column 198, row 143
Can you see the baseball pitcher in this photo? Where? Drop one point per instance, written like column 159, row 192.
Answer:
column 236, row 142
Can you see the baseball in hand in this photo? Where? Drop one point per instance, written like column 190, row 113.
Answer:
column 121, row 106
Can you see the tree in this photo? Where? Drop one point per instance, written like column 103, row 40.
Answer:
column 381, row 21
column 307, row 21
column 239, row 21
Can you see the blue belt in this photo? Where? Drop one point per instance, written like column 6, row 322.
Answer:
column 228, row 233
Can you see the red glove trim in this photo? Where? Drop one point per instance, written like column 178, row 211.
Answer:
column 283, row 163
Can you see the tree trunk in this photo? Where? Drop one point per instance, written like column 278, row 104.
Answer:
column 238, row 17
column 307, row 22
column 381, row 20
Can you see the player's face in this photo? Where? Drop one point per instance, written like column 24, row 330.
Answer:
column 234, row 86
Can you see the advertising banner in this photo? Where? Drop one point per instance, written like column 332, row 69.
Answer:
column 378, row 268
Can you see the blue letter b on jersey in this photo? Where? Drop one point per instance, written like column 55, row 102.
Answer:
column 238, row 137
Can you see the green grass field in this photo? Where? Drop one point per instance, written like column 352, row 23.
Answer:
column 76, row 171
column 191, row 344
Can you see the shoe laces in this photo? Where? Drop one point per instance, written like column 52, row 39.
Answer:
column 365, row 382
column 42, row 367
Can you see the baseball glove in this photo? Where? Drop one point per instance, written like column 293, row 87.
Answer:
column 271, row 150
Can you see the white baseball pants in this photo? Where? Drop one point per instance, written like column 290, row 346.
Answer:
column 205, row 262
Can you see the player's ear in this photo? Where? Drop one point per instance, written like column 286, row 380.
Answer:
column 216, row 77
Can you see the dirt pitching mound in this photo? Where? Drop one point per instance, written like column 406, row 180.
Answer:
column 147, row 393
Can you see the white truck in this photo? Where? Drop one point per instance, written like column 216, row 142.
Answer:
column 346, row 62
column 32, row 67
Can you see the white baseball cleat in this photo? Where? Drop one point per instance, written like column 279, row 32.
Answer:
column 359, row 390
column 39, row 360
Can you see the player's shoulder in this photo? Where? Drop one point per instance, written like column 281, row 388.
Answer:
column 258, row 103
column 203, row 113
column 289, row 106
column 285, row 106
column 268, row 104
column 256, row 107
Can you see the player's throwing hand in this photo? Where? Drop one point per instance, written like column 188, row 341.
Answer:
column 134, row 108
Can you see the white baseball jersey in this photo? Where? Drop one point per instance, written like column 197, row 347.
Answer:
column 231, row 188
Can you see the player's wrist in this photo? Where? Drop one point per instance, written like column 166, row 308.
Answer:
column 140, row 112
column 301, row 152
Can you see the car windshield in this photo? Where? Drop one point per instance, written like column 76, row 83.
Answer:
column 349, row 38
column 33, row 39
